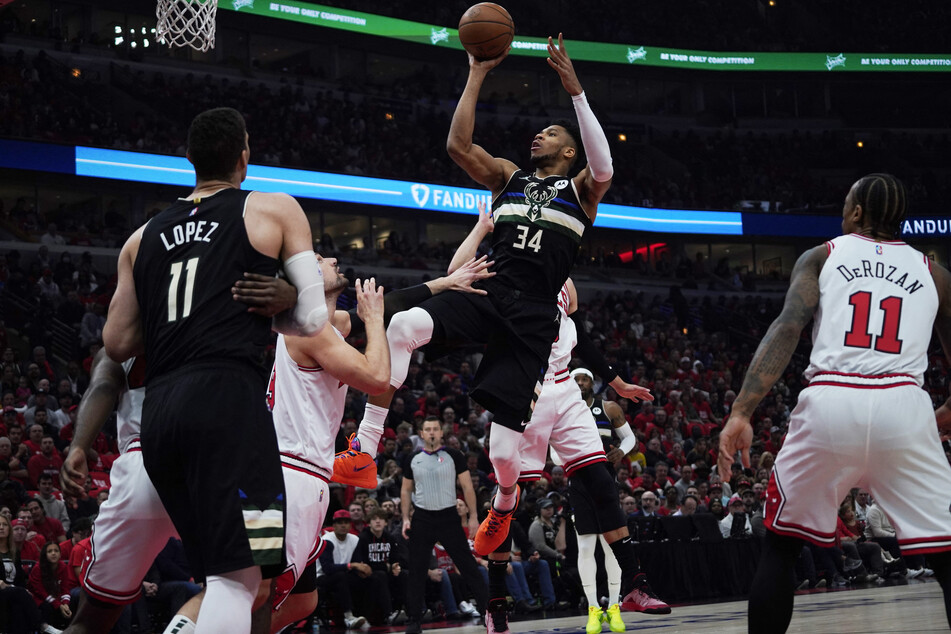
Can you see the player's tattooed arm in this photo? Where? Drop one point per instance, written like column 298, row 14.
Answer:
column 778, row 345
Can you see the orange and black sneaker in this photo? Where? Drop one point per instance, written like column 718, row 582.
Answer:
column 494, row 528
column 354, row 467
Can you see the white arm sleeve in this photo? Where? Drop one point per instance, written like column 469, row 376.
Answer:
column 595, row 143
column 628, row 439
column 309, row 314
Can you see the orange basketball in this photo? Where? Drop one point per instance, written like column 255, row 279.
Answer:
column 486, row 30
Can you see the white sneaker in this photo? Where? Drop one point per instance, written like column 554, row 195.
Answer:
column 927, row 572
column 49, row 629
column 468, row 609
column 913, row 573
column 354, row 622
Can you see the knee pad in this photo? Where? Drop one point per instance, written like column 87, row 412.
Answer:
column 407, row 331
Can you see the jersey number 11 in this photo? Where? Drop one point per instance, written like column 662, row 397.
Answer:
column 859, row 336
column 191, row 266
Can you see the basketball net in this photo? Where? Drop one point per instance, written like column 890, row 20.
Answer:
column 186, row 23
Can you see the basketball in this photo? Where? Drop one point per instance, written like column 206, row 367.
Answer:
column 486, row 30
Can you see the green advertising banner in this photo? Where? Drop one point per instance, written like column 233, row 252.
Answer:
column 370, row 24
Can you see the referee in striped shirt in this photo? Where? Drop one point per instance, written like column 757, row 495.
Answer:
column 429, row 480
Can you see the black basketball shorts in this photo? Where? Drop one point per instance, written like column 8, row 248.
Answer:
column 518, row 333
column 210, row 449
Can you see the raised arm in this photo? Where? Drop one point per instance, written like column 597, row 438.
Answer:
column 105, row 382
column 594, row 360
column 369, row 371
column 122, row 334
column 772, row 356
column 470, row 246
column 490, row 172
column 595, row 179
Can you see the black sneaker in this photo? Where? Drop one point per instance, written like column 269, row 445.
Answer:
column 413, row 628
column 497, row 617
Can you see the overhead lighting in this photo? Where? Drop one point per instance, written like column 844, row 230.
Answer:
column 622, row 137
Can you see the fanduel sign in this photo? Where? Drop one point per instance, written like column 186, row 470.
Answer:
column 926, row 227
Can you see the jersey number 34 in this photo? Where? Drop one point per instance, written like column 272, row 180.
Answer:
column 535, row 243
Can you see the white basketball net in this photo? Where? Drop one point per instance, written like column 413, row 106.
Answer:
column 186, row 23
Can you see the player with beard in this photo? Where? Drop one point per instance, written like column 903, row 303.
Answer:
column 540, row 217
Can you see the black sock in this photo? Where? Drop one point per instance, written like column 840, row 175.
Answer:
column 497, row 572
column 771, row 595
column 941, row 564
column 623, row 550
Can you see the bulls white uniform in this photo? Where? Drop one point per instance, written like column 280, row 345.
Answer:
column 864, row 419
column 132, row 526
column 307, row 404
column 561, row 417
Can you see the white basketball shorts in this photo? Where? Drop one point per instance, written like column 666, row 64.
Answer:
column 562, row 419
column 878, row 433
column 308, row 497
column 131, row 529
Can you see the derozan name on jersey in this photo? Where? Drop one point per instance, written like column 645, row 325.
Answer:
column 881, row 271
column 191, row 231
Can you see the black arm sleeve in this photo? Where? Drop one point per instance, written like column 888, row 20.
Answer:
column 591, row 356
column 393, row 302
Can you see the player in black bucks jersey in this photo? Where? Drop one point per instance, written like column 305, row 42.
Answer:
column 208, row 441
column 539, row 217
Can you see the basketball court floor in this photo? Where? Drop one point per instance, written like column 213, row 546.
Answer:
column 913, row 607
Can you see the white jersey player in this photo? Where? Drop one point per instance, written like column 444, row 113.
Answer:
column 864, row 419
column 307, row 393
column 560, row 418
column 132, row 527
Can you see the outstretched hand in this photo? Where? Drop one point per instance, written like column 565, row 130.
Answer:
column 472, row 271
column 629, row 390
column 559, row 60
column 736, row 436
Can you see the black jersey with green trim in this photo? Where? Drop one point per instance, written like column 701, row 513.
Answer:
column 189, row 258
column 605, row 426
column 539, row 223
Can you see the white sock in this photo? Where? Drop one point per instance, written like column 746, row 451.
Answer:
column 613, row 568
column 228, row 601
column 588, row 568
column 180, row 625
column 371, row 428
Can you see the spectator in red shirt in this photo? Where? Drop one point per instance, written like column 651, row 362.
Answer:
column 676, row 458
column 660, row 474
column 50, row 528
column 47, row 461
column 50, row 585
column 77, row 555
column 644, row 417
column 357, row 522
column 27, row 549
column 36, row 433
column 775, row 442
column 82, row 528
